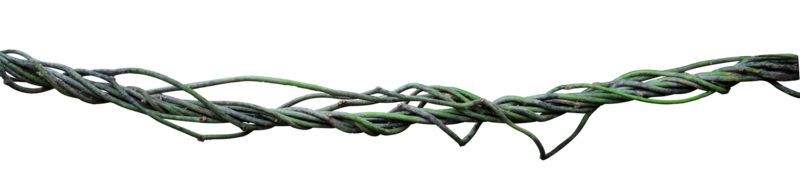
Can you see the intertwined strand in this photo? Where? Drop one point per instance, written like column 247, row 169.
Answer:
column 464, row 106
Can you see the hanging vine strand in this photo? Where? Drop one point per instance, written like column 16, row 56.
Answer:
column 464, row 107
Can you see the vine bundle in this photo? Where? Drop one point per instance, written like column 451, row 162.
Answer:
column 464, row 107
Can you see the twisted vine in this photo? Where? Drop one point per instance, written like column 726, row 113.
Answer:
column 465, row 107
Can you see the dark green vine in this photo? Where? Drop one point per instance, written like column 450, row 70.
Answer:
column 465, row 107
